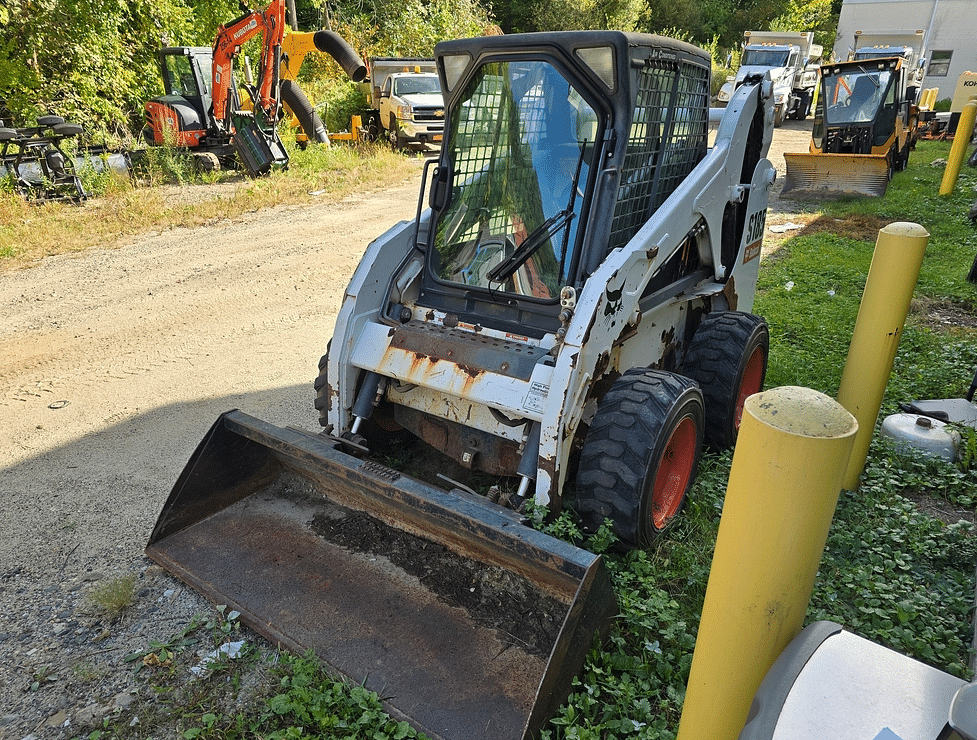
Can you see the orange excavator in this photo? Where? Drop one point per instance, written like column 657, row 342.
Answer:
column 201, row 110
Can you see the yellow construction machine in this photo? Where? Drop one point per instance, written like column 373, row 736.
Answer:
column 864, row 129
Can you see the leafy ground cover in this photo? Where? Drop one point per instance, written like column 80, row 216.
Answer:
column 899, row 563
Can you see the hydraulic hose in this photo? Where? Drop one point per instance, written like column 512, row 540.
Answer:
column 295, row 100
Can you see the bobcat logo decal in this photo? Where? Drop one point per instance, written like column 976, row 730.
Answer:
column 614, row 303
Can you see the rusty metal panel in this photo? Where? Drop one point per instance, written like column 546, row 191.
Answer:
column 838, row 174
column 467, row 622
column 454, row 369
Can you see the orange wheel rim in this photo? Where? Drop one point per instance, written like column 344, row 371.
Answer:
column 674, row 473
column 750, row 384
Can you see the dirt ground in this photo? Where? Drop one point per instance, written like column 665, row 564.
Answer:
column 114, row 364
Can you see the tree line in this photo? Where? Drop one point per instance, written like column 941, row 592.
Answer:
column 94, row 61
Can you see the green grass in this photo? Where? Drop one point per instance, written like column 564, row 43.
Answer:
column 891, row 572
column 122, row 208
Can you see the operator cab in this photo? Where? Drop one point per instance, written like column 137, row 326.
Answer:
column 186, row 74
column 550, row 160
column 859, row 105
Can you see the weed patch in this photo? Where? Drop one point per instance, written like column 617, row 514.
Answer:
column 112, row 597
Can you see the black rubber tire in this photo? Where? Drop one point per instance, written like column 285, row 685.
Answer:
column 297, row 102
column 728, row 359
column 804, row 107
column 50, row 120
column 321, row 382
column 640, row 455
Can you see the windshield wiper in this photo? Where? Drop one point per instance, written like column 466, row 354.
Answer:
column 537, row 238
column 541, row 234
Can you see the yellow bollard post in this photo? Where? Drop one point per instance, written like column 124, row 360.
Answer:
column 881, row 317
column 958, row 152
column 791, row 452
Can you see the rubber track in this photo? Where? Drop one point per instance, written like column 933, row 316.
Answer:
column 714, row 360
column 622, row 438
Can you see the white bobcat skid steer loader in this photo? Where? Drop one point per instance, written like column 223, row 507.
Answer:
column 587, row 263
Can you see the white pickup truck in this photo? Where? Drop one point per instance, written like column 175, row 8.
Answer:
column 407, row 103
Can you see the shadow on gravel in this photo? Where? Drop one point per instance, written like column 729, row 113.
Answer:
column 80, row 516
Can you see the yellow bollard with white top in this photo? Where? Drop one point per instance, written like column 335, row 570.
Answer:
column 791, row 453
column 958, row 150
column 881, row 318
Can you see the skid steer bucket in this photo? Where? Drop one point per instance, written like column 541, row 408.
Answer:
column 467, row 622
column 836, row 174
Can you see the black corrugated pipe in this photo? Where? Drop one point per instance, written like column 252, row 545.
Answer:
column 335, row 45
column 295, row 99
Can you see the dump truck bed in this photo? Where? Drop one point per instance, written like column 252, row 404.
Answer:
column 475, row 628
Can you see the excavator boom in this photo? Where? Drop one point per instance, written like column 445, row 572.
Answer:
column 270, row 23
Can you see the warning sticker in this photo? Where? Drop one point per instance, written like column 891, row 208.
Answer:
column 536, row 397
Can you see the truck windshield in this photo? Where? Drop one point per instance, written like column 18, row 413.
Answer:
column 854, row 97
column 765, row 58
column 416, row 84
column 519, row 145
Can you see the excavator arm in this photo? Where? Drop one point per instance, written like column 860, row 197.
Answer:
column 269, row 22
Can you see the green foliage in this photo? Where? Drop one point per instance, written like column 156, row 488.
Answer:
column 91, row 62
column 311, row 703
column 307, row 703
column 819, row 16
column 409, row 28
column 897, row 576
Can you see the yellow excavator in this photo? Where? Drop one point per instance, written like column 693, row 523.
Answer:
column 864, row 129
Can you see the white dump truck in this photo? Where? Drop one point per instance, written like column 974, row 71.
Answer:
column 792, row 59
column 907, row 45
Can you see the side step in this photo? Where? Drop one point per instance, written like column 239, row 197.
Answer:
column 467, row 622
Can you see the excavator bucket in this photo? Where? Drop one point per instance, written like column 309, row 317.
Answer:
column 836, row 174
column 467, row 622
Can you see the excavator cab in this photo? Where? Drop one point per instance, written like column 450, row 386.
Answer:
column 181, row 117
